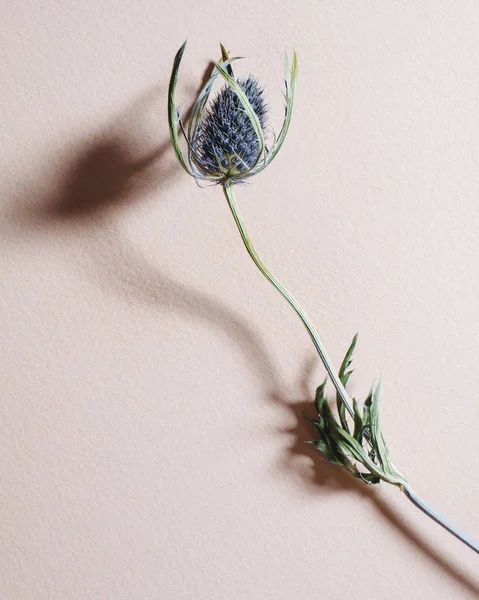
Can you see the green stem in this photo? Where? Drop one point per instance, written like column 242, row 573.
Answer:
column 313, row 334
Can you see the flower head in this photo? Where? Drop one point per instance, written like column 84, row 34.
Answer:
column 227, row 142
column 226, row 135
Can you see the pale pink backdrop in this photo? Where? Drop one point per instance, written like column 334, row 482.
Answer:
column 153, row 384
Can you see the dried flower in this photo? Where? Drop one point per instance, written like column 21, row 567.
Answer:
column 226, row 145
column 226, row 136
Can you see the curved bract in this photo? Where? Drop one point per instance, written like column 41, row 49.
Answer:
column 226, row 136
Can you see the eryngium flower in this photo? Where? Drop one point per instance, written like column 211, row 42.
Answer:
column 226, row 136
column 227, row 142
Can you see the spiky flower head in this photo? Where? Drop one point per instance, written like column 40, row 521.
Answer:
column 226, row 141
column 226, row 135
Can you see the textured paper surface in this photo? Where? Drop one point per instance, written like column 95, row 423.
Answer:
column 153, row 384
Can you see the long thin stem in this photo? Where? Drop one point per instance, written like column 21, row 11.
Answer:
column 439, row 519
column 313, row 334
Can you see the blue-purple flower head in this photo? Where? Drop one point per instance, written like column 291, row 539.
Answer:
column 226, row 135
column 226, row 140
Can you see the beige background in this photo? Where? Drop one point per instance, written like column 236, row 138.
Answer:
column 153, row 384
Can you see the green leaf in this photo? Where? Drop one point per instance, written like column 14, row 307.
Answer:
column 172, row 116
column 292, row 75
column 367, row 412
column 319, row 395
column 358, row 422
column 324, row 446
column 377, row 438
column 348, row 451
column 348, row 359
column 344, row 376
column 327, row 425
column 351, row 446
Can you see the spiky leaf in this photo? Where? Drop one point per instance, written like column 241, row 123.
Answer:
column 366, row 446
column 344, row 376
column 172, row 112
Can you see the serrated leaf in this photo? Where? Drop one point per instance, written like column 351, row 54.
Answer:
column 351, row 446
column 367, row 413
column 326, row 424
column 319, row 395
column 348, row 358
column 358, row 422
column 325, row 411
column 344, row 376
column 377, row 438
column 346, row 450
column 323, row 446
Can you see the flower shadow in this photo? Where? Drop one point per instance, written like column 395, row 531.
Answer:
column 112, row 168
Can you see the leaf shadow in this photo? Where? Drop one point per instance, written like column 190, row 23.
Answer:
column 323, row 475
